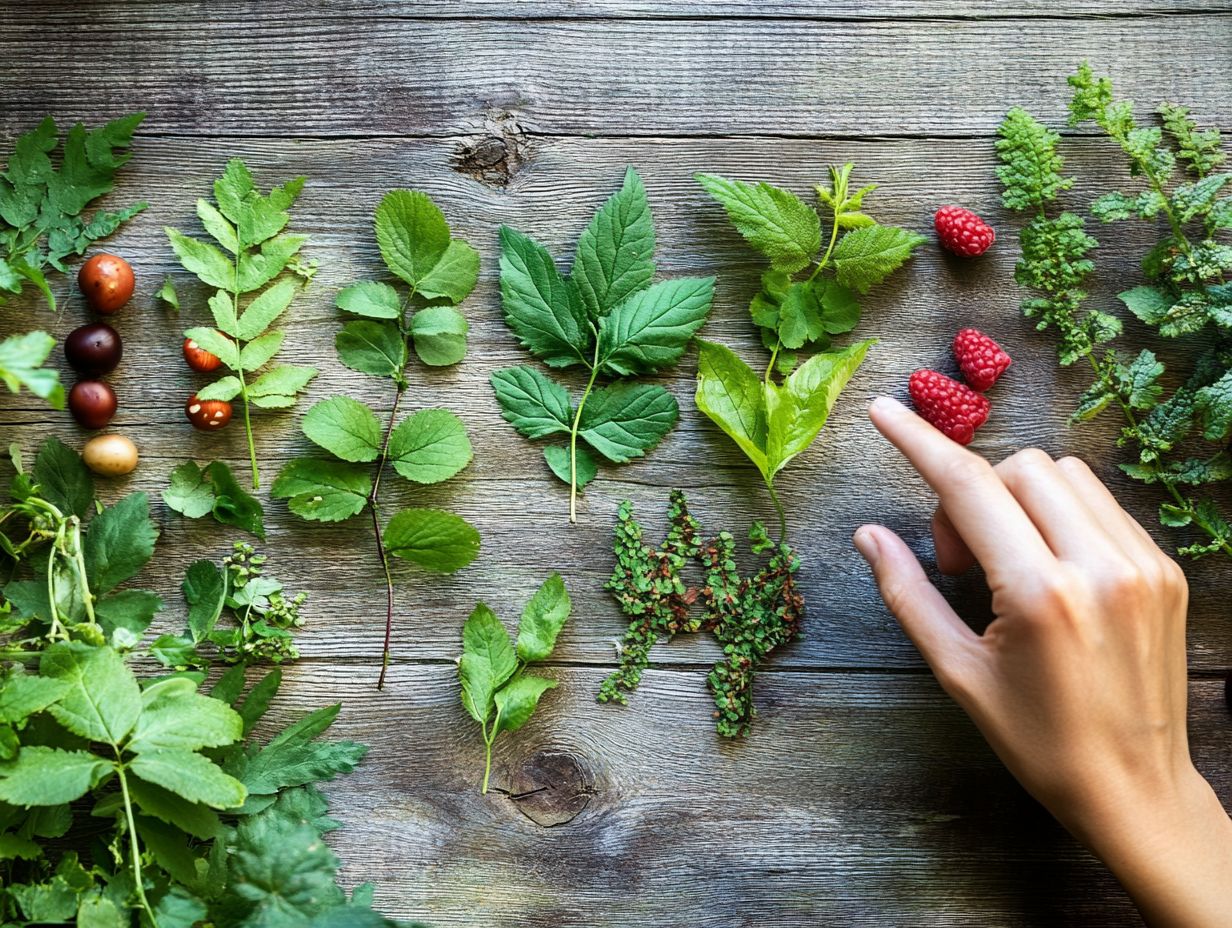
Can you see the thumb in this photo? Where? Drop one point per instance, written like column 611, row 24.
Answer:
column 945, row 641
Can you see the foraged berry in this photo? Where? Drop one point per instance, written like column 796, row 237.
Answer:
column 954, row 408
column 106, row 281
column 207, row 415
column 110, row 455
column 198, row 358
column 93, row 349
column 980, row 359
column 92, row 403
column 963, row 232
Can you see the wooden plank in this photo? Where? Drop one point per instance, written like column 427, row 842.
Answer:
column 308, row 77
column 859, row 800
column 145, row 11
column 507, row 491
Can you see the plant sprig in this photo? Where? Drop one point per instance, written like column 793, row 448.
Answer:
column 806, row 298
column 606, row 317
column 254, row 252
column 425, row 448
column 1187, row 292
column 496, row 690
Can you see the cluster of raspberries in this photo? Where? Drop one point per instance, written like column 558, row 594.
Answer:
column 957, row 408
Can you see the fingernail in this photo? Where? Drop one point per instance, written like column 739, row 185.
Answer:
column 866, row 543
column 884, row 404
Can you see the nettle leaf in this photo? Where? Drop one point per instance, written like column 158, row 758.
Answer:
column 323, row 491
column 532, row 403
column 370, row 299
column 488, row 661
column 542, row 620
column 344, row 427
column 429, row 446
column 432, row 538
column 376, row 348
column 865, row 257
column 651, row 329
column 119, row 542
column 560, row 462
column 544, row 311
column 774, row 221
column 625, row 420
column 615, row 255
column 439, row 335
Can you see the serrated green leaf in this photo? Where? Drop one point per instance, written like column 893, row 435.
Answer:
column 21, row 359
column 454, row 276
column 433, row 539
column 488, row 661
column 258, row 269
column 429, row 446
column 865, row 257
column 774, row 221
column 63, row 478
column 323, row 491
column 376, row 348
column 370, row 299
column 216, row 343
column 439, row 335
column 205, row 591
column 540, row 306
column 218, row 226
column 190, row 493
column 542, row 620
column 1150, row 304
column 294, row 757
column 518, row 699
column 224, row 388
column 615, row 255
column 535, row 405
column 412, row 234
column 103, row 700
column 344, row 427
column 652, row 328
column 131, row 610
column 174, row 716
column 283, row 380
column 261, row 349
column 256, row 217
column 45, row 776
column 24, row 694
column 119, row 542
column 730, row 394
column 190, row 776
column 201, row 258
column 625, row 420
column 264, row 309
column 560, row 462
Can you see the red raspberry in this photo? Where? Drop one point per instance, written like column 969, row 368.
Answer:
column 963, row 232
column 980, row 359
column 952, row 407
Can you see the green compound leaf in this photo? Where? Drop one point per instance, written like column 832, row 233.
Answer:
column 412, row 234
column 432, row 538
column 615, row 255
column 774, row 221
column 531, row 402
column 652, row 328
column 439, row 335
column 542, row 308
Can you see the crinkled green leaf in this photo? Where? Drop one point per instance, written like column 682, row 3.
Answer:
column 488, row 661
column 103, row 700
column 774, row 221
column 433, row 539
column 531, row 402
column 865, row 257
column 119, row 542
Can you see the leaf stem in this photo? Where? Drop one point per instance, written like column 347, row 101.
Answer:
column 487, row 756
column 573, row 435
column 376, row 528
column 80, row 562
column 135, row 849
column 239, row 373
column 778, row 507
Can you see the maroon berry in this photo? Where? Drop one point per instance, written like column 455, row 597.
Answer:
column 93, row 349
column 92, row 403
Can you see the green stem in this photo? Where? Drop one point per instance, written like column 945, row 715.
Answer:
column 778, row 507
column 239, row 373
column 774, row 355
column 57, row 629
column 573, row 434
column 135, row 849
column 79, row 558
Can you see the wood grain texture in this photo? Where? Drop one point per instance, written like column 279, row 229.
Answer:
column 303, row 76
column 863, row 797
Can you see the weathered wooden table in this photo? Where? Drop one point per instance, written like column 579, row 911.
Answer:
column 863, row 796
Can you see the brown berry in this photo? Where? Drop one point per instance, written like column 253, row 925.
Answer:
column 92, row 403
column 93, row 349
column 207, row 415
column 110, row 455
column 198, row 358
column 106, row 281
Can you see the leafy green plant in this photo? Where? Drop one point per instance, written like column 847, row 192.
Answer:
column 805, row 299
column 606, row 317
column 749, row 617
column 1187, row 290
column 254, row 252
column 195, row 492
column 41, row 205
column 189, row 818
column 427, row 447
column 496, row 690
column 21, row 365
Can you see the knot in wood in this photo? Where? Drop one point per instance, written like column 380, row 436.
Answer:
column 495, row 155
column 551, row 788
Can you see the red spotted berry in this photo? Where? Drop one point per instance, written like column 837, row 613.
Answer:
column 953, row 407
column 980, row 359
column 963, row 232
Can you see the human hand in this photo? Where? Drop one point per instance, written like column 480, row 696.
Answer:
column 1079, row 682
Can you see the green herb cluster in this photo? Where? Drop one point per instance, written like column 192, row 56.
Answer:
column 606, row 317
column 427, row 447
column 184, row 817
column 749, row 617
column 41, row 224
column 805, row 299
column 1187, row 290
column 254, row 252
column 496, row 690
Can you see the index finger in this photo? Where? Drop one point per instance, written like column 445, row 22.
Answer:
column 980, row 507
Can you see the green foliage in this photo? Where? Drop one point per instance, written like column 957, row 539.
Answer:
column 195, row 492
column 1186, row 290
column 252, row 251
column 606, row 317
column 772, row 422
column 189, row 819
column 21, row 365
column 749, row 617
column 42, row 205
column 427, row 447
column 497, row 692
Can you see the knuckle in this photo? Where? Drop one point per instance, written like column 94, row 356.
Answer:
column 967, row 470
column 1023, row 463
column 1074, row 464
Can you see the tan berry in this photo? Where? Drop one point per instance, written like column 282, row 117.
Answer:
column 110, row 455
